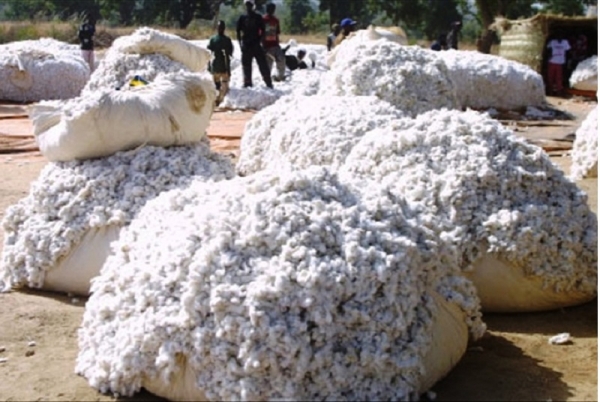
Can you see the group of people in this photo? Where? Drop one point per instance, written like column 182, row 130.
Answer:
column 258, row 37
column 563, row 55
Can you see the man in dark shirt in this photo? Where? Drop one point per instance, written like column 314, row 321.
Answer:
column 86, row 34
column 452, row 39
column 250, row 32
column 222, row 49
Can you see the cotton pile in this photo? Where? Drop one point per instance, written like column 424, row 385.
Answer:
column 174, row 109
column 585, row 76
column 526, row 234
column 281, row 285
column 146, row 52
column 31, row 71
column 413, row 79
column 585, row 148
column 301, row 131
column 61, row 229
column 484, row 81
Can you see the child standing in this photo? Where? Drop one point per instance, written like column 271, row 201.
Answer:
column 222, row 49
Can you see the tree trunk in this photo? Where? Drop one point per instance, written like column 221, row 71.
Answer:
column 485, row 41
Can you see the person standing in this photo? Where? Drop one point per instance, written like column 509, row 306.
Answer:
column 222, row 49
column 558, row 48
column 250, row 31
column 271, row 43
column 335, row 31
column 87, row 30
column 452, row 38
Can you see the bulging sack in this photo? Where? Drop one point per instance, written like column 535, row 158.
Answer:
column 175, row 109
column 147, row 41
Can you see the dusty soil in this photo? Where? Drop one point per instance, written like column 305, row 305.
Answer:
column 512, row 362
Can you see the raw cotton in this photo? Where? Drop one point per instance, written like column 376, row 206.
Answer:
column 280, row 285
column 585, row 148
column 71, row 199
column 146, row 52
column 491, row 194
column 175, row 109
column 486, row 81
column 585, row 76
column 31, row 71
column 302, row 131
column 410, row 78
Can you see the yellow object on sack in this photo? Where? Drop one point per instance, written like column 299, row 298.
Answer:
column 137, row 81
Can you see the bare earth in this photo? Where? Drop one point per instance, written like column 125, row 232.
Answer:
column 512, row 362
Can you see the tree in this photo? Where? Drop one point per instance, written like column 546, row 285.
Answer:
column 298, row 11
column 340, row 9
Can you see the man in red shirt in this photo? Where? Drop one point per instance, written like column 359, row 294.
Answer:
column 271, row 43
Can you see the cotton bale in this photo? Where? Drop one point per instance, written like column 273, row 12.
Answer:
column 486, row 81
column 147, row 52
column 174, row 109
column 32, row 71
column 58, row 236
column 584, row 157
column 300, row 131
column 280, row 285
column 585, row 76
column 147, row 40
column 413, row 79
column 527, row 237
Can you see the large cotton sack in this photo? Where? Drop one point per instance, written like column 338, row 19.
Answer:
column 484, row 81
column 499, row 200
column 175, row 109
column 148, row 41
column 412, row 79
column 30, row 72
column 58, row 237
column 585, row 76
column 318, row 291
column 584, row 157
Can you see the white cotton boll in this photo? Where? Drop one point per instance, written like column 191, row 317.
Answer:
column 488, row 81
column 585, row 148
column 304, row 131
column 585, row 76
column 488, row 193
column 410, row 78
column 266, row 280
column 71, row 199
column 43, row 69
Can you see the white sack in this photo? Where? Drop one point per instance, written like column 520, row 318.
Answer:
column 585, row 76
column 175, row 109
column 303, row 131
column 32, row 71
column 62, row 229
column 278, row 285
column 149, row 41
column 487, row 81
column 584, row 157
column 413, row 79
column 490, row 195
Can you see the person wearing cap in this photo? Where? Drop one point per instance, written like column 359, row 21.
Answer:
column 452, row 38
column 220, row 66
column 335, row 31
column 347, row 26
column 271, row 43
column 250, row 32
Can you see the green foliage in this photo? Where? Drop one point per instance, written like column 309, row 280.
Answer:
column 293, row 21
column 564, row 7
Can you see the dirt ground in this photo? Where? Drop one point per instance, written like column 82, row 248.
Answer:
column 514, row 361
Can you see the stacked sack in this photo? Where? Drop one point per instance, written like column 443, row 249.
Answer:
column 113, row 150
column 44, row 69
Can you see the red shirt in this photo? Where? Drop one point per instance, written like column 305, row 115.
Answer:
column 272, row 31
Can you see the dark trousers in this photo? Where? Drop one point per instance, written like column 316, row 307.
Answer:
column 250, row 52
